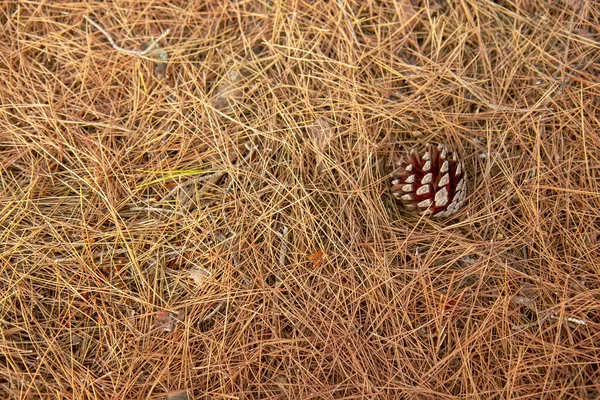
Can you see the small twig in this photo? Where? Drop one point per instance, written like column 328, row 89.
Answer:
column 223, row 214
column 350, row 27
column 284, row 247
column 95, row 255
column 552, row 316
column 570, row 319
column 214, row 177
column 283, row 252
column 214, row 311
column 157, row 209
column 529, row 325
column 485, row 102
column 139, row 53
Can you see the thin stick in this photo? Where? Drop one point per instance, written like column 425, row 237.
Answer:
column 157, row 209
column 95, row 255
column 213, row 312
column 569, row 319
column 283, row 248
column 529, row 325
column 215, row 175
column 283, row 252
column 549, row 316
column 212, row 178
column 140, row 53
column 350, row 27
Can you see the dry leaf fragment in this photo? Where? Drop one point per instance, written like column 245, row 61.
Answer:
column 178, row 395
column 228, row 90
column 526, row 296
column 523, row 301
column 407, row 15
column 159, row 55
column 76, row 339
column 166, row 320
column 317, row 258
column 199, row 275
column 320, row 134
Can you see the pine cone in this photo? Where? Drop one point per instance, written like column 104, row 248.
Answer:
column 430, row 184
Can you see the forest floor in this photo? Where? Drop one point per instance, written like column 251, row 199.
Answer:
column 195, row 200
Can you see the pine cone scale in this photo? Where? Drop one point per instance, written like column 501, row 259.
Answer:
column 431, row 183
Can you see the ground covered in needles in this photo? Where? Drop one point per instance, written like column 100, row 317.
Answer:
column 195, row 199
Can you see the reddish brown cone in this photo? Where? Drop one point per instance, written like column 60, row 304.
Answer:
column 432, row 183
